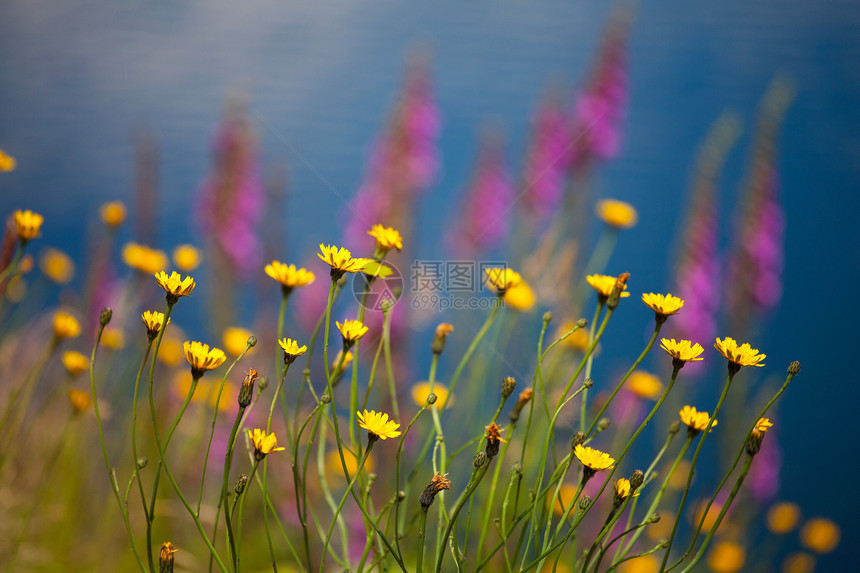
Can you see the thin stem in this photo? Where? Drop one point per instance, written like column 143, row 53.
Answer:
column 110, row 470
column 705, row 432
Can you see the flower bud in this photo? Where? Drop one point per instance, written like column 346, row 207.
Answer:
column 431, row 398
column 246, row 392
column 262, row 382
column 508, row 385
column 141, row 462
column 547, row 317
column 524, row 398
column 582, row 323
column 325, row 398
column 518, row 468
column 794, row 368
column 105, row 316
column 479, row 460
column 588, row 383
column 584, row 502
column 637, row 478
column 675, row 427
column 240, row 484
column 252, row 341
column 603, row 424
column 442, row 332
column 165, row 558
column 577, row 440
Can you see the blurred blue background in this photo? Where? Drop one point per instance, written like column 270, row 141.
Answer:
column 79, row 79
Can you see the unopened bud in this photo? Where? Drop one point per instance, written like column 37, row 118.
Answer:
column 240, row 484
column 480, row 459
column 794, row 368
column 508, row 385
column 582, row 323
column 675, row 427
column 141, row 462
column 524, row 398
column 654, row 518
column 603, row 423
column 442, row 332
column 584, row 502
column 325, row 398
column 252, row 341
column 401, row 495
column 588, row 383
column 431, row 399
column 518, row 468
column 246, row 391
column 105, row 316
column 637, row 478
column 263, row 382
column 547, row 317
column 577, row 440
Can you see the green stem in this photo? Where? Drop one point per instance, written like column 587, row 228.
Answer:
column 110, row 470
column 722, row 399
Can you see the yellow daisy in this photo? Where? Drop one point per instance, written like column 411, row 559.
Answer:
column 592, row 459
column 663, row 305
column 340, row 260
column 683, row 350
column 75, row 362
column 351, row 330
column 288, row 275
column 377, row 424
column 264, row 444
column 186, row 257
column 291, row 349
column 27, row 224
column 520, row 296
column 143, row 258
column 502, row 279
column 694, row 420
column 738, row 356
column 617, row 213
column 201, row 358
column 387, row 238
column 605, row 284
column 174, row 285
column 66, row 325
column 153, row 321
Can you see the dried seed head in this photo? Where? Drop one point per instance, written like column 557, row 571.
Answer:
column 437, row 484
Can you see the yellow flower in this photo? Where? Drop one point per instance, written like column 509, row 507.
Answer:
column 763, row 425
column 235, row 340
column 743, row 355
column 75, row 362
column 783, row 517
column 288, row 275
column 79, row 400
column 263, row 444
column 644, row 385
column 378, row 425
column 57, row 266
column 520, row 296
column 113, row 213
column 291, row 349
column 340, row 260
column 7, row 162
column 27, row 224
column 351, row 330
column 726, row 557
column 66, row 325
column 174, row 285
column 153, row 322
column 502, row 278
column 347, row 360
column 663, row 304
column 201, row 358
column 694, row 419
column 617, row 213
column 622, row 490
column 421, row 390
column 143, row 258
column 593, row 459
column 605, row 284
column 683, row 350
column 113, row 338
column 820, row 535
column 186, row 257
column 386, row 238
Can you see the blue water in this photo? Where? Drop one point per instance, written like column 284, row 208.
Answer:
column 78, row 79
